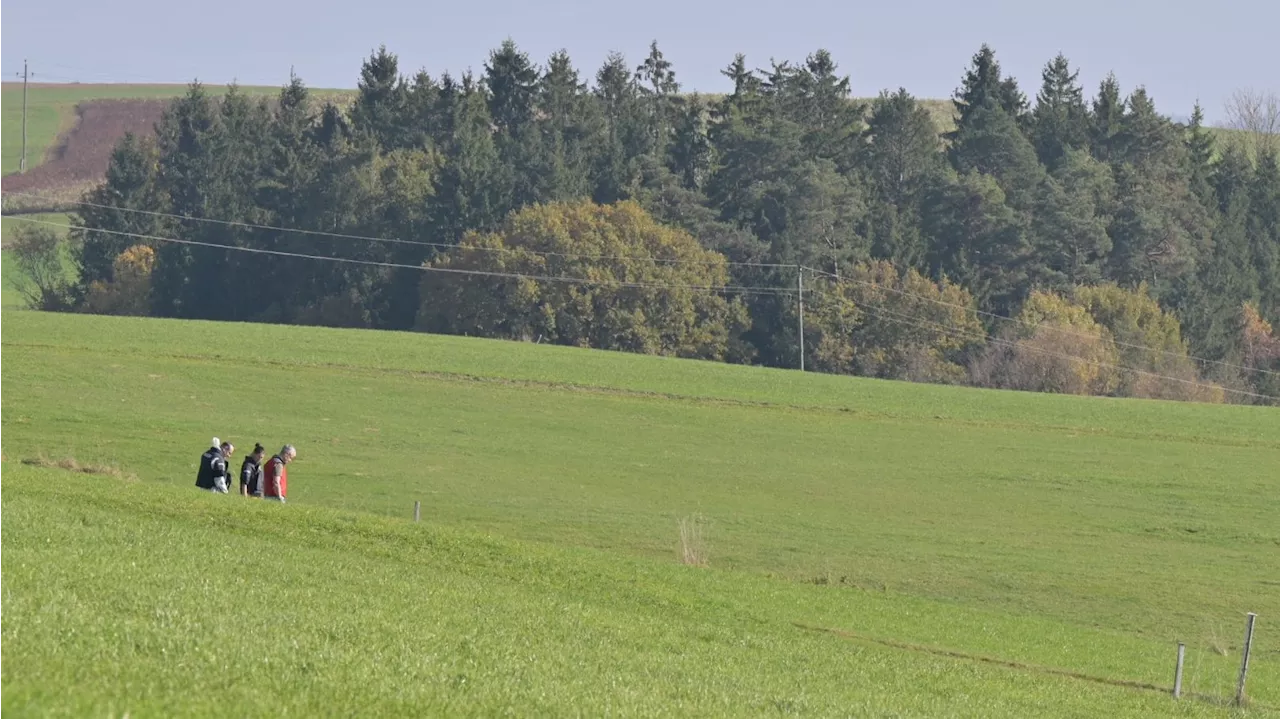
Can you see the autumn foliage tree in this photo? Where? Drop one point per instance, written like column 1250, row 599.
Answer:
column 128, row 292
column 588, row 275
column 1054, row 346
column 1149, row 344
column 880, row 321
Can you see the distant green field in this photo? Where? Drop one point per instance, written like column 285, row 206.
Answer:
column 1084, row 534
column 51, row 110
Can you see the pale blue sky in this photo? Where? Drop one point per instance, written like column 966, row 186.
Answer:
column 1203, row 52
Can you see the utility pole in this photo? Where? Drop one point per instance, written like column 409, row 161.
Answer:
column 22, row 164
column 800, row 289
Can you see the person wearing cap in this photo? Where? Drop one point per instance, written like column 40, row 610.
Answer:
column 275, row 477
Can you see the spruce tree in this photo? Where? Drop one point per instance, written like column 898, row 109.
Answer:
column 1264, row 233
column 1200, row 152
column 511, row 79
column 572, row 128
column 983, row 85
column 1060, row 121
column 1106, row 118
column 901, row 158
column 379, row 104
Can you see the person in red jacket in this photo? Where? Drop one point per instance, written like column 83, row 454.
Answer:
column 275, row 478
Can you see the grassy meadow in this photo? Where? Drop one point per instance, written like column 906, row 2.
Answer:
column 123, row 596
column 1085, row 535
column 51, row 110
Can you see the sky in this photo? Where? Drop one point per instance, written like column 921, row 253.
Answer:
column 1181, row 52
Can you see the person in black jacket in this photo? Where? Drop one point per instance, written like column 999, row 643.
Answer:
column 213, row 475
column 251, row 472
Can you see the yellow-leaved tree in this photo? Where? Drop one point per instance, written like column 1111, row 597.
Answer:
column 878, row 321
column 1054, row 346
column 1149, row 345
column 129, row 290
column 615, row 279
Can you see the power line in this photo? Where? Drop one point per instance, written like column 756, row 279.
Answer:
column 967, row 334
column 424, row 268
column 944, row 303
column 399, row 241
column 508, row 275
column 875, row 310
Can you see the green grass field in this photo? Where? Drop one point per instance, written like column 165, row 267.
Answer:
column 51, row 110
column 1080, row 534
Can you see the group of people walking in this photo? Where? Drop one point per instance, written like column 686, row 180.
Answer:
column 267, row 480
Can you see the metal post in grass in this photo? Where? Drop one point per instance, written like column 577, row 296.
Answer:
column 417, row 510
column 1244, row 660
column 1177, row 671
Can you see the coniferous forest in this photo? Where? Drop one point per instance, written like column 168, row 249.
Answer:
column 1056, row 238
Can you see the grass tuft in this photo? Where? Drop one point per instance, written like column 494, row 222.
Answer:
column 693, row 544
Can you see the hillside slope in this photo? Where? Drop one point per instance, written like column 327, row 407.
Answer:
column 1080, row 533
column 126, row 597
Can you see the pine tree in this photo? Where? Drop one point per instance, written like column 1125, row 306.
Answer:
column 988, row 141
column 1200, row 152
column 1264, row 233
column 983, row 86
column 901, row 159
column 131, row 184
column 1069, row 228
column 1227, row 278
column 1106, row 118
column 572, row 128
column 379, row 106
column 473, row 189
column 625, row 135
column 689, row 156
column 1060, row 121
column 511, row 79
column 834, row 120
column 977, row 240
column 187, row 141
column 659, row 92
column 421, row 119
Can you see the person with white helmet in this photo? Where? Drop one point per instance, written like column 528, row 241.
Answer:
column 212, row 475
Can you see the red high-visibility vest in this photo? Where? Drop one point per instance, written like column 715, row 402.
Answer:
column 267, row 472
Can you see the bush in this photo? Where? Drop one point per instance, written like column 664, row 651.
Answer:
column 129, row 290
column 41, row 256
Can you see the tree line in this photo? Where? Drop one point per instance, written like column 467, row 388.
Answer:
column 1135, row 255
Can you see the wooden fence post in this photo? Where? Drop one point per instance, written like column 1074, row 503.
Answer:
column 417, row 510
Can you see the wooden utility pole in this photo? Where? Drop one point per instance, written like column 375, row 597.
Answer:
column 22, row 164
column 800, row 288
